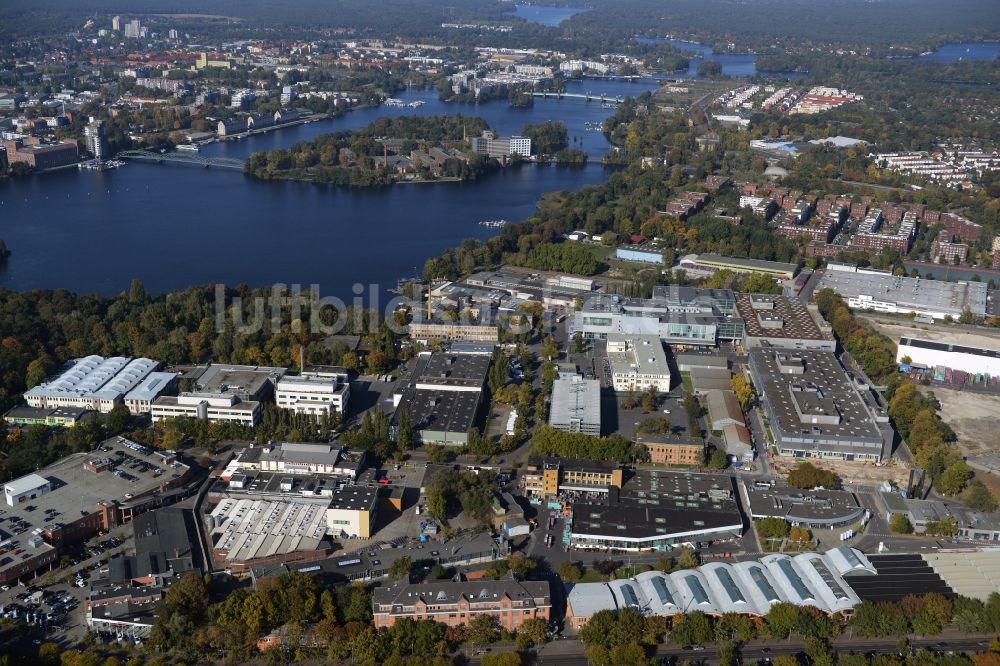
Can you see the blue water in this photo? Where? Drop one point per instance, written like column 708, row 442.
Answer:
column 733, row 64
column 963, row 51
column 175, row 226
column 547, row 16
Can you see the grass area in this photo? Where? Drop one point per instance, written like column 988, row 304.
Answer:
column 686, row 382
column 591, row 576
column 600, row 251
column 629, row 572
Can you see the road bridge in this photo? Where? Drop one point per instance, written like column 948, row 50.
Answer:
column 179, row 157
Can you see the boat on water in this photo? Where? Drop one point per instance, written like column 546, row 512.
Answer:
column 190, row 147
column 392, row 101
column 416, row 104
column 493, row 224
column 100, row 165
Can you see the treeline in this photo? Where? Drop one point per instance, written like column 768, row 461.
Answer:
column 450, row 492
column 874, row 352
column 547, row 138
column 547, row 441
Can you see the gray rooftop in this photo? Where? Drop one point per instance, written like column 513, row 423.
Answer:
column 906, row 292
column 576, row 400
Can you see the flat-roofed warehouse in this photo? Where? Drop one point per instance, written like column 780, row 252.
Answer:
column 819, row 580
column 931, row 354
column 445, row 393
column 815, row 410
column 92, row 382
column 883, row 292
column 773, row 320
column 973, row 574
column 657, row 510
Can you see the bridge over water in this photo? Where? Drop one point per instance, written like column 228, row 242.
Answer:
column 603, row 98
column 179, row 157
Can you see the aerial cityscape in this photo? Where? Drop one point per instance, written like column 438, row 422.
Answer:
column 480, row 332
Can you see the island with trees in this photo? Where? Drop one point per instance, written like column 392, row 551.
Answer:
column 389, row 150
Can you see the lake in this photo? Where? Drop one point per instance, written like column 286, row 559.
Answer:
column 547, row 16
column 175, row 226
column 733, row 64
column 963, row 51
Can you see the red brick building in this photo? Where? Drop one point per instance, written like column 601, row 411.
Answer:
column 39, row 156
column 510, row 602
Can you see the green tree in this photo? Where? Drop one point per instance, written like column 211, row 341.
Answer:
column 900, row 524
column 781, row 620
column 688, row 559
column 400, row 568
column 532, row 632
column 482, row 630
column 569, row 571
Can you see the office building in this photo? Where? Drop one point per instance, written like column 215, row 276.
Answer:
column 681, row 316
column 576, row 405
column 637, row 363
column 133, row 29
column 972, row 525
column 547, row 477
column 492, row 146
column 865, row 289
column 933, row 355
column 508, row 601
column 116, row 23
column 96, row 137
column 820, row 581
column 72, row 499
column 774, row 321
column 314, row 392
column 444, row 396
column 92, row 382
column 816, row 410
column 222, row 393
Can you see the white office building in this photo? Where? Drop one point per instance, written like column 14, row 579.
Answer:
column 312, row 394
column 140, row 399
column 638, row 362
column 210, row 407
column 576, row 405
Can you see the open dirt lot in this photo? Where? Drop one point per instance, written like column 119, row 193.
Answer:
column 973, row 417
column 850, row 471
column 936, row 332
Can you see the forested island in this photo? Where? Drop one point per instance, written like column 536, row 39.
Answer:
column 389, row 150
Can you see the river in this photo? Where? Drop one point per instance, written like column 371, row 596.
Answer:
column 175, row 226
column 963, row 51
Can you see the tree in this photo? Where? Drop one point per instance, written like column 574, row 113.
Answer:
column 404, row 431
column 482, row 630
column 400, row 568
column 806, row 475
column 569, row 571
column 709, row 68
column 694, row 627
column 743, row 390
column 781, row 619
column 772, row 528
column 118, row 419
column 532, row 632
column 953, row 479
column 718, row 459
column 688, row 559
column 900, row 524
column 501, row 659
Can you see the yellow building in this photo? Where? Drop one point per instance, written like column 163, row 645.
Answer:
column 546, row 477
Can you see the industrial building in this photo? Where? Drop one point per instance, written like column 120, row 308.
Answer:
column 576, row 405
column 491, row 145
column 547, row 477
column 710, row 263
column 297, row 458
column 972, row 525
column 657, row 511
column 452, row 603
column 140, row 399
column 808, row 508
column 638, row 362
column 72, row 499
column 669, row 450
column 92, row 382
column 883, row 292
column 444, row 395
column 930, row 354
column 816, row 410
column 751, row 588
column 316, row 391
column 772, row 320
column 222, row 393
column 57, row 417
column 640, row 253
column 974, row 574
column 678, row 315
column 41, row 156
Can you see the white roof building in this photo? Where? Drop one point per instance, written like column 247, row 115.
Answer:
column 92, row 382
